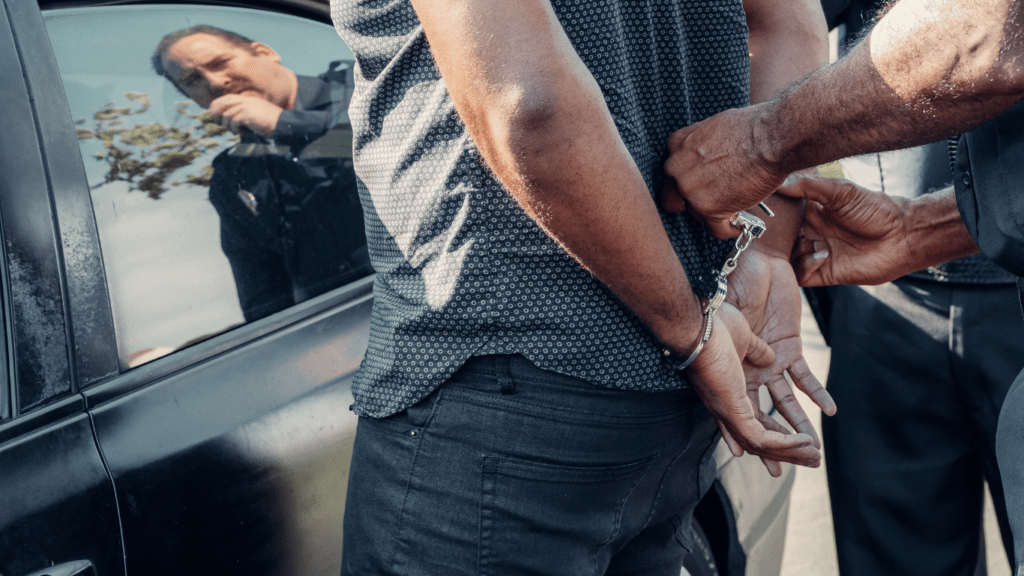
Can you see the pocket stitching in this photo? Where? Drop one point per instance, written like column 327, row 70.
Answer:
column 492, row 465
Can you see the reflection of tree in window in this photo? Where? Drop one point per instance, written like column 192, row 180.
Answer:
column 147, row 154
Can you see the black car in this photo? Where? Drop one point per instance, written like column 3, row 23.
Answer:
column 179, row 343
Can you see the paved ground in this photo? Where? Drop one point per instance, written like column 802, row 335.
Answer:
column 810, row 545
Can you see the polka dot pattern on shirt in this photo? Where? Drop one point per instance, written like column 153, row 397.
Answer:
column 461, row 269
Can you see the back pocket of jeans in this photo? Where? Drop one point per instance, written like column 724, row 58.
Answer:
column 549, row 518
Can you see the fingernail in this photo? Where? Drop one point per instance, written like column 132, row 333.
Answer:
column 794, row 176
column 820, row 255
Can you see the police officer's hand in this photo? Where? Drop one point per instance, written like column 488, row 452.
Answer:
column 851, row 235
column 717, row 376
column 716, row 169
column 237, row 111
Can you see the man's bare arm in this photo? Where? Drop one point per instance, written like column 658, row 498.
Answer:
column 542, row 125
column 787, row 41
column 929, row 69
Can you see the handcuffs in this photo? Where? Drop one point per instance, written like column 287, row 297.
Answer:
column 751, row 227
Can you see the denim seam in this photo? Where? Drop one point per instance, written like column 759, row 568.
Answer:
column 618, row 517
column 486, row 524
column 408, row 486
column 503, row 370
column 664, row 478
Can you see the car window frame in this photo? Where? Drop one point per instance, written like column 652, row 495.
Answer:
column 35, row 297
column 27, row 229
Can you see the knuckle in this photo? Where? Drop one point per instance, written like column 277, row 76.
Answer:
column 785, row 401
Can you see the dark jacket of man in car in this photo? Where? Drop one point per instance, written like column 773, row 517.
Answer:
column 291, row 224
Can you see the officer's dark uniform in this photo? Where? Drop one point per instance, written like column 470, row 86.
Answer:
column 291, row 221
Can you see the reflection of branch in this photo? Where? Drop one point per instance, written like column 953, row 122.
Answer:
column 146, row 155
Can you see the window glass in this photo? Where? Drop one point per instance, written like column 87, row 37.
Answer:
column 221, row 171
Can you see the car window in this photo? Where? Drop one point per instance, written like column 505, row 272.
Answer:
column 220, row 173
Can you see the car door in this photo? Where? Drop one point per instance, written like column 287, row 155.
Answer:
column 58, row 512
column 225, row 427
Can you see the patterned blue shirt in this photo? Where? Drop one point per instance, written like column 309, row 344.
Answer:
column 461, row 269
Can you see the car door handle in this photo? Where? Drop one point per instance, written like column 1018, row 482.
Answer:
column 73, row 568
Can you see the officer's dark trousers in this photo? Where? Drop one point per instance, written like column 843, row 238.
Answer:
column 919, row 371
column 1010, row 454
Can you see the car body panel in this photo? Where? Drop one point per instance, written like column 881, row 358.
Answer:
column 58, row 504
column 65, row 509
column 245, row 454
column 35, row 292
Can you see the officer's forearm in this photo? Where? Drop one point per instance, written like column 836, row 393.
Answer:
column 928, row 70
column 935, row 231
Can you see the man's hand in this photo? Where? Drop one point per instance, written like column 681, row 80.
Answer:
column 764, row 289
column 717, row 376
column 237, row 111
column 851, row 235
column 715, row 170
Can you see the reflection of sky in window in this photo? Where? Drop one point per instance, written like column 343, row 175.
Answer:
column 169, row 280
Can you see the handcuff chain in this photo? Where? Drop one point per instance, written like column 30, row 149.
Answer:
column 751, row 227
column 742, row 243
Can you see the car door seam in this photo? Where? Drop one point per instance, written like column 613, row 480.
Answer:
column 113, row 487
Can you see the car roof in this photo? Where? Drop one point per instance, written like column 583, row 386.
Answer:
column 314, row 9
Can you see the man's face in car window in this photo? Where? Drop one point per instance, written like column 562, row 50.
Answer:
column 206, row 66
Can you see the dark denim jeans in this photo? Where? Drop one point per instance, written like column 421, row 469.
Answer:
column 508, row 469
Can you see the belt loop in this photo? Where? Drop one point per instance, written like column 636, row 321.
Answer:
column 503, row 369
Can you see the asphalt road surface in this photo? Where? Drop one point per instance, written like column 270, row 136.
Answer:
column 810, row 543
